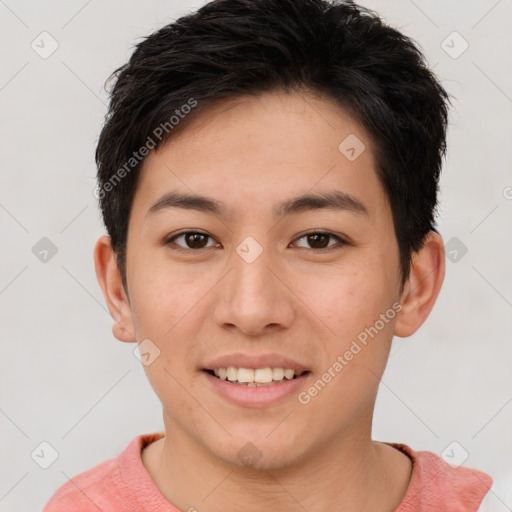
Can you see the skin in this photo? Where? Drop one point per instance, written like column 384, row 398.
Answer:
column 291, row 300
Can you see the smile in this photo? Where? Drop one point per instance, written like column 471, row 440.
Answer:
column 255, row 377
column 243, row 386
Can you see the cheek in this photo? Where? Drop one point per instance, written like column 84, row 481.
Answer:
column 357, row 347
column 166, row 308
column 169, row 307
column 348, row 299
column 165, row 298
column 356, row 354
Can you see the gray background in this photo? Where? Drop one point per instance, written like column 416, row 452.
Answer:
column 65, row 380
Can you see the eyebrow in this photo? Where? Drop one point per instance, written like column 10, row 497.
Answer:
column 333, row 200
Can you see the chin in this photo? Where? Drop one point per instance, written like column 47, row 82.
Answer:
column 264, row 454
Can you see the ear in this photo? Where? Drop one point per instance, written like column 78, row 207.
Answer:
column 109, row 278
column 422, row 287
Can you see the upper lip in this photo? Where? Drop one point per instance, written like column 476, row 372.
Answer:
column 255, row 361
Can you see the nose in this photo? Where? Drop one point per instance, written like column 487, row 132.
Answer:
column 254, row 296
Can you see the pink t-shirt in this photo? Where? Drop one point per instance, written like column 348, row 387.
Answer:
column 122, row 484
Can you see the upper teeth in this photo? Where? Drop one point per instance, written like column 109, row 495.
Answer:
column 259, row 375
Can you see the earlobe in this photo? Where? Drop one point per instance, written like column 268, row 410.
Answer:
column 422, row 287
column 110, row 281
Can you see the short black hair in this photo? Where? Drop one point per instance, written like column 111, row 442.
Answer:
column 230, row 48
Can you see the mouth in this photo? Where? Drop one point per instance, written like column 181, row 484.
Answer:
column 256, row 377
column 260, row 387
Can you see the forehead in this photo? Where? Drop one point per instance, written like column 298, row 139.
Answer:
column 249, row 151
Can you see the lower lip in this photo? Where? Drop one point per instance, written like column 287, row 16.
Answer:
column 254, row 396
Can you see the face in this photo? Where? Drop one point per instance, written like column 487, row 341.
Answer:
column 252, row 279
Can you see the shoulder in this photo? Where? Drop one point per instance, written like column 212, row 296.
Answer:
column 107, row 485
column 87, row 491
column 437, row 485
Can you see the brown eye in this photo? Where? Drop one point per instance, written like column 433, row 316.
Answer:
column 320, row 241
column 192, row 240
column 195, row 240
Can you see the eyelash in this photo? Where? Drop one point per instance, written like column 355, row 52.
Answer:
column 341, row 242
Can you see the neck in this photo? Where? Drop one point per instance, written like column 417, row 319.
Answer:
column 350, row 473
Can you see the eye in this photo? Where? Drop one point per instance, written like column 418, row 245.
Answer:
column 319, row 240
column 194, row 240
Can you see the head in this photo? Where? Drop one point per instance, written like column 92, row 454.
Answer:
column 252, row 104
